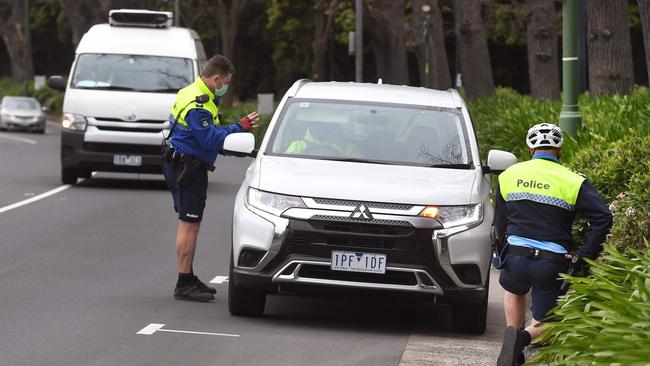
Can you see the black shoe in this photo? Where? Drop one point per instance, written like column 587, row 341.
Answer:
column 205, row 287
column 512, row 350
column 192, row 292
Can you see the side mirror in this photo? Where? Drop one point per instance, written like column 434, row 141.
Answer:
column 498, row 161
column 56, row 82
column 240, row 144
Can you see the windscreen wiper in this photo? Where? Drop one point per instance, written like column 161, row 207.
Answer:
column 451, row 166
column 108, row 87
column 356, row 160
column 165, row 90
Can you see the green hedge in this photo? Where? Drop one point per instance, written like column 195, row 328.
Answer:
column 605, row 319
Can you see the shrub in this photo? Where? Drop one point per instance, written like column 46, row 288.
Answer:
column 233, row 114
column 605, row 318
column 631, row 212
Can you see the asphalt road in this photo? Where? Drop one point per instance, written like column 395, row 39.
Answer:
column 84, row 270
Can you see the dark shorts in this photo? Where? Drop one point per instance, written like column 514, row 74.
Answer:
column 521, row 273
column 189, row 201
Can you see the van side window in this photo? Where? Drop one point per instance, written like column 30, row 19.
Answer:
column 202, row 59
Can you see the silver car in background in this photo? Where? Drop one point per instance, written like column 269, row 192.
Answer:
column 21, row 113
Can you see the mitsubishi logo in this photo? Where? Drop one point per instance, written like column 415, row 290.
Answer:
column 361, row 212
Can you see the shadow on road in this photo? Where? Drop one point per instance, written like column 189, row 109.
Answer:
column 387, row 316
column 130, row 184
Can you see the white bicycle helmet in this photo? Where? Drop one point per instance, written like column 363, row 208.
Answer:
column 544, row 135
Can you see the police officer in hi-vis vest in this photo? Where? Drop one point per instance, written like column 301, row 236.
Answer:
column 196, row 139
column 537, row 202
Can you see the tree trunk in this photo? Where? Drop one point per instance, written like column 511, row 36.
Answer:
column 644, row 14
column 543, row 69
column 12, row 29
column 228, row 16
column 471, row 40
column 386, row 28
column 439, row 76
column 323, row 19
column 609, row 47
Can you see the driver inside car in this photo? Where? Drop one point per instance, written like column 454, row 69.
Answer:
column 324, row 139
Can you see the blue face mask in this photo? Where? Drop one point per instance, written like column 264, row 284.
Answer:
column 221, row 91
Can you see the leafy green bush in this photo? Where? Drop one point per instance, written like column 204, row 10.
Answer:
column 605, row 318
column 502, row 121
column 631, row 212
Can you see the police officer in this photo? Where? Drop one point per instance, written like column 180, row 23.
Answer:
column 537, row 202
column 196, row 139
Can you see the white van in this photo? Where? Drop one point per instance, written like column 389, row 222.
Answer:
column 121, row 87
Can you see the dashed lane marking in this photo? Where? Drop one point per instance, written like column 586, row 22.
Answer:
column 219, row 279
column 157, row 327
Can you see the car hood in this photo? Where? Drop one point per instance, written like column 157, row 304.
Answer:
column 366, row 182
column 123, row 105
column 22, row 112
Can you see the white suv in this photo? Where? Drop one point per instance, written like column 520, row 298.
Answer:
column 365, row 187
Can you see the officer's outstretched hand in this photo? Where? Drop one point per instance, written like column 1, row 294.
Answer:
column 249, row 122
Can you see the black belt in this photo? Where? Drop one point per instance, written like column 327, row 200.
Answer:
column 536, row 253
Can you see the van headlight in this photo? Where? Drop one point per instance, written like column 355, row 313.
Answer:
column 452, row 216
column 272, row 203
column 74, row 122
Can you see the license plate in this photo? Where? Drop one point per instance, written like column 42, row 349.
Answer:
column 131, row 160
column 358, row 262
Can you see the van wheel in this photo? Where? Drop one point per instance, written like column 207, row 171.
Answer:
column 244, row 302
column 85, row 174
column 471, row 318
column 68, row 176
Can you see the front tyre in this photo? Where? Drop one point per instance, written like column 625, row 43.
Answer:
column 471, row 318
column 68, row 176
column 241, row 301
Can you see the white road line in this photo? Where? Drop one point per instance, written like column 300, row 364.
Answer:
column 15, row 138
column 35, row 198
column 219, row 279
column 157, row 327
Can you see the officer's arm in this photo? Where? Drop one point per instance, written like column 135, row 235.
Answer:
column 501, row 215
column 208, row 135
column 590, row 205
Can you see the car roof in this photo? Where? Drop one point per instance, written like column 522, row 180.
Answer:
column 382, row 93
column 172, row 42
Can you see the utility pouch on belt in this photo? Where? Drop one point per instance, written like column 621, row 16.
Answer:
column 499, row 250
column 191, row 166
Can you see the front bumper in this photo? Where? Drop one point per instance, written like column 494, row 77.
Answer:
column 19, row 122
column 423, row 258
column 98, row 156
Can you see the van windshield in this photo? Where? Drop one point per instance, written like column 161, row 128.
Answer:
column 372, row 133
column 153, row 74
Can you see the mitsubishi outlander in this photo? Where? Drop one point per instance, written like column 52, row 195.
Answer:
column 365, row 187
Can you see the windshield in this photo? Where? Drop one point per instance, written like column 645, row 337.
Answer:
column 374, row 133
column 27, row 104
column 153, row 74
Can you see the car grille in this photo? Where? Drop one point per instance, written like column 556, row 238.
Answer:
column 390, row 277
column 129, row 129
column 108, row 119
column 122, row 148
column 387, row 206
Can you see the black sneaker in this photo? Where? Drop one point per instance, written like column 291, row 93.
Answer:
column 205, row 287
column 192, row 292
column 512, row 350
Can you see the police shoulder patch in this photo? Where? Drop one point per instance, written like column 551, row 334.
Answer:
column 205, row 122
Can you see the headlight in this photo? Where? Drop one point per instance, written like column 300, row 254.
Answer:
column 272, row 203
column 451, row 216
column 75, row 122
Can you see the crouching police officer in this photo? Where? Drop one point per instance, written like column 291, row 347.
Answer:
column 537, row 202
column 196, row 139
